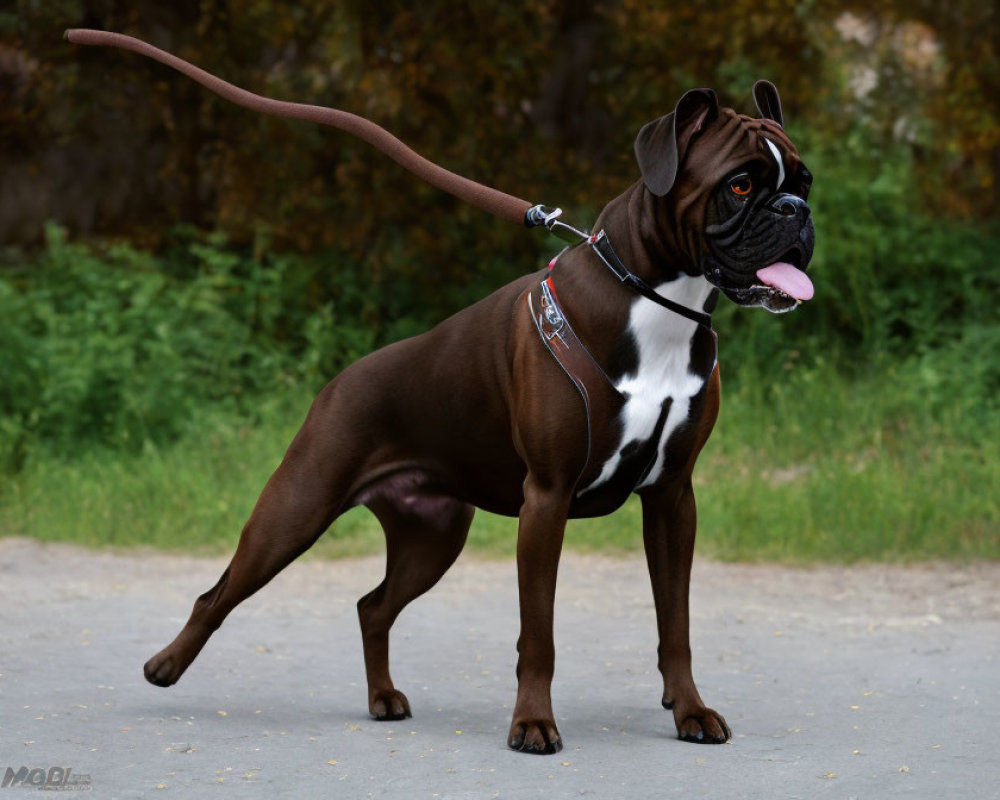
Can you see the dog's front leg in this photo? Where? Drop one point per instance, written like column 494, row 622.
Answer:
column 668, row 531
column 542, row 523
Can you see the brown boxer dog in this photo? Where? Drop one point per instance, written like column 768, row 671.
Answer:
column 556, row 397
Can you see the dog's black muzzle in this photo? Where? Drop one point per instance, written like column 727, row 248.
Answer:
column 776, row 229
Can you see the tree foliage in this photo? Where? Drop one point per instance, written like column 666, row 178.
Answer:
column 540, row 99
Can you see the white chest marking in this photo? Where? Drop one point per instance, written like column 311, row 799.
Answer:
column 663, row 341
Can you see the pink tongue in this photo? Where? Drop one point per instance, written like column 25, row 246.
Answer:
column 791, row 280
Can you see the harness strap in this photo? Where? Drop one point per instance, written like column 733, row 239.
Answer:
column 601, row 400
column 601, row 244
column 537, row 216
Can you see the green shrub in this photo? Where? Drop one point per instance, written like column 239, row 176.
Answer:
column 111, row 349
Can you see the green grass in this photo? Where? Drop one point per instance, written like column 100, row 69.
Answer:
column 811, row 468
column 819, row 468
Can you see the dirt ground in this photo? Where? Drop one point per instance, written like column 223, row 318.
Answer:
column 866, row 682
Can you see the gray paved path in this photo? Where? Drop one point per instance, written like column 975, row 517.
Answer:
column 862, row 682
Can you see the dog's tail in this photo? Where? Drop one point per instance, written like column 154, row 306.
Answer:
column 483, row 197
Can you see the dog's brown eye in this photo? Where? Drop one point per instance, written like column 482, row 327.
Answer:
column 741, row 185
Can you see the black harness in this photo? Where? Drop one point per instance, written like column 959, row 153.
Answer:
column 601, row 245
column 601, row 399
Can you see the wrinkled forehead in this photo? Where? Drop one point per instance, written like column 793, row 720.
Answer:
column 734, row 140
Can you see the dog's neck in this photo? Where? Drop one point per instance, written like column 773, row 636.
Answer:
column 642, row 231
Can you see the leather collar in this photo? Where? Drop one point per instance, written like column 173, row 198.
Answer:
column 601, row 244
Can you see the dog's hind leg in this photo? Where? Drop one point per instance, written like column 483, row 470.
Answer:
column 424, row 533
column 301, row 499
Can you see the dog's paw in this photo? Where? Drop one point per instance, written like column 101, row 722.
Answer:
column 389, row 705
column 537, row 736
column 701, row 726
column 162, row 669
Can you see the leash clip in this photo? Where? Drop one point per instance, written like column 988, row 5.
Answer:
column 540, row 215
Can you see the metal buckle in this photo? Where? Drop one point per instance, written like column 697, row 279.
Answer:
column 539, row 215
column 550, row 310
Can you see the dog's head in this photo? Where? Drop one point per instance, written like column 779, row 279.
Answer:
column 737, row 191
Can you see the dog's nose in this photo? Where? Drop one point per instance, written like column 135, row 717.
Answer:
column 789, row 205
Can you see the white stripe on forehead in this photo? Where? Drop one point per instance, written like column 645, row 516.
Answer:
column 777, row 157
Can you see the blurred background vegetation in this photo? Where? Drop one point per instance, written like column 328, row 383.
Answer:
column 179, row 275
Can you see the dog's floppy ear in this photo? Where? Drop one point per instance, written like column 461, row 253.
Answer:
column 661, row 144
column 765, row 95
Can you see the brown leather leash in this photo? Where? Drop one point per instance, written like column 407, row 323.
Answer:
column 483, row 197
column 506, row 206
